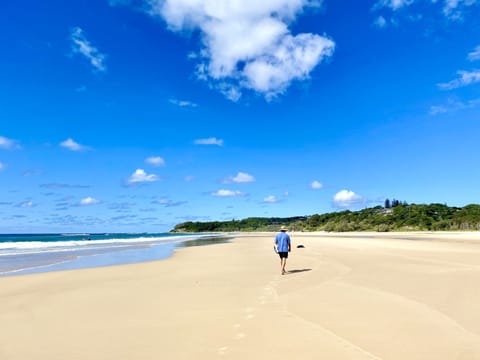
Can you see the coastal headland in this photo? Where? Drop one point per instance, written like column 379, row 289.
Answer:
column 389, row 296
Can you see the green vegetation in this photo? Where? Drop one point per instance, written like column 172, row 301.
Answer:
column 397, row 217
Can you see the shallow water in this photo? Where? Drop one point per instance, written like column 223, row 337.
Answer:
column 24, row 258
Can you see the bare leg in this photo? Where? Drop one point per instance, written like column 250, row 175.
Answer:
column 283, row 263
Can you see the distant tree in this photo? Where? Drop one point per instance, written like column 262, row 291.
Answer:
column 387, row 204
column 402, row 217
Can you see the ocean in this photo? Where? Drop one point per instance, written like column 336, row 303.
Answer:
column 33, row 253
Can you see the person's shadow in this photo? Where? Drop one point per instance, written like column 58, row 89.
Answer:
column 297, row 271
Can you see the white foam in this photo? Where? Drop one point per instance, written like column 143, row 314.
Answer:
column 33, row 268
column 31, row 247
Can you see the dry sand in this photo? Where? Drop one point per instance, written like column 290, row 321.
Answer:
column 347, row 296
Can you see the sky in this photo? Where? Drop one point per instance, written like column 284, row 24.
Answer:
column 136, row 115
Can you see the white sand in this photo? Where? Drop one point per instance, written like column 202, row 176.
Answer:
column 348, row 296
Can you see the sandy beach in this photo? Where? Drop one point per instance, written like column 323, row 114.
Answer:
column 346, row 296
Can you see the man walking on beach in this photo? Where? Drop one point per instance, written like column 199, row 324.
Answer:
column 282, row 243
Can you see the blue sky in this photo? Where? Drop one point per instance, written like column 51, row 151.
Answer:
column 137, row 115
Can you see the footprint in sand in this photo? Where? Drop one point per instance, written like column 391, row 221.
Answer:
column 222, row 350
column 249, row 313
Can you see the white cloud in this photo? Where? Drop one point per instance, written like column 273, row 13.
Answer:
column 89, row 201
column 315, row 185
column 155, row 161
column 453, row 9
column 183, row 103
column 380, row 22
column 80, row 45
column 246, row 44
column 163, row 201
column 2, row 166
column 226, row 193
column 454, row 105
column 140, row 176
column 189, row 178
column 347, row 198
column 6, row 143
column 26, row 204
column 209, row 141
column 438, row 109
column 241, row 177
column 270, row 199
column 169, row 203
column 475, row 54
column 393, row 4
column 72, row 145
column 465, row 78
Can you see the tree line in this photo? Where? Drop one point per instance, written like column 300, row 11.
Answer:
column 400, row 217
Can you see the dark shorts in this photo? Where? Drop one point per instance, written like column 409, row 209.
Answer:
column 283, row 255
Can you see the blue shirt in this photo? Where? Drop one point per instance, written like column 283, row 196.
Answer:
column 282, row 240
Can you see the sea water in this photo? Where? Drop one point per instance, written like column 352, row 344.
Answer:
column 33, row 253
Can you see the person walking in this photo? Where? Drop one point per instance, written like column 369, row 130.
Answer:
column 283, row 247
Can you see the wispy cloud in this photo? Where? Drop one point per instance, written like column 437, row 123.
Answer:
column 80, row 45
column 70, row 220
column 6, row 143
column 124, row 218
column 209, row 141
column 247, row 44
column 270, row 199
column 438, row 109
column 155, row 161
column 347, row 198
column 194, row 218
column 169, row 203
column 26, row 204
column 63, row 186
column 474, row 54
column 2, row 166
column 465, row 78
column 316, row 185
column 122, row 206
column 380, row 22
column 72, row 145
column 241, row 177
column 452, row 9
column 28, row 173
column 393, row 4
column 453, row 105
column 89, row 201
column 183, row 103
column 140, row 176
column 227, row 193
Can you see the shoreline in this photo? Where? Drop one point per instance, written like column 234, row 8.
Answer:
column 48, row 256
column 344, row 298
